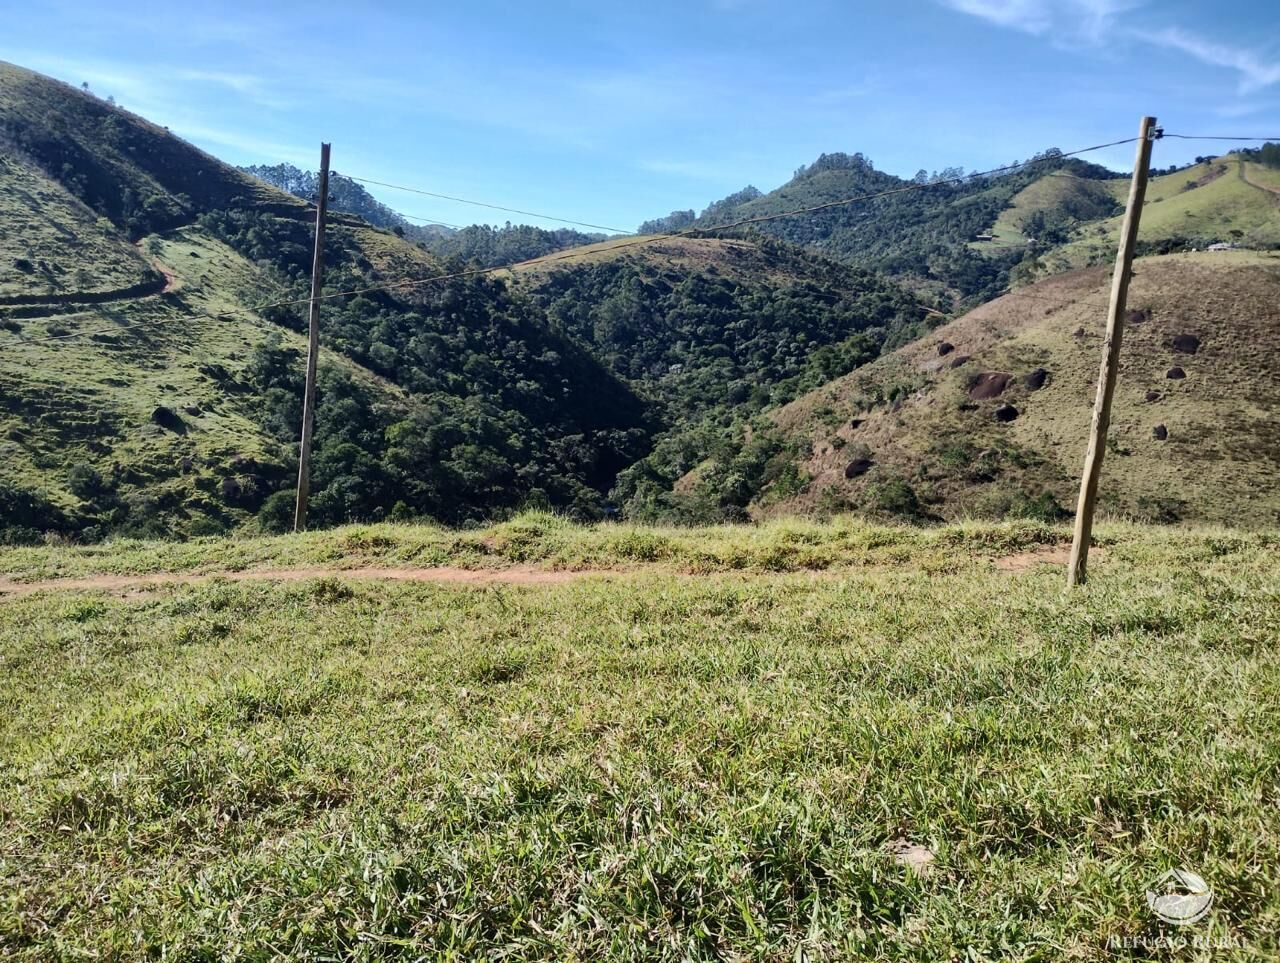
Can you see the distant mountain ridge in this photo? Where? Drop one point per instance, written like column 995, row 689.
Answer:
column 697, row 378
column 345, row 195
column 480, row 243
column 924, row 237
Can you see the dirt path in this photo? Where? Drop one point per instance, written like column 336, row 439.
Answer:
column 1275, row 194
column 443, row 574
column 134, row 292
column 133, row 585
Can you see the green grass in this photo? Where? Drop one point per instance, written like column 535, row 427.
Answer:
column 642, row 765
column 1049, row 193
column 547, row 542
column 1224, row 204
column 52, row 244
column 89, row 399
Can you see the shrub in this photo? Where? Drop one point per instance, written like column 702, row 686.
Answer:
column 86, row 483
column 26, row 515
column 895, row 497
column 276, row 514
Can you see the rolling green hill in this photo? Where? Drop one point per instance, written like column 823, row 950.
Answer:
column 715, row 330
column 1226, row 199
column 453, row 399
column 988, row 415
column 924, row 237
column 969, row 240
column 1051, row 205
column 141, row 392
column 704, row 322
column 55, row 244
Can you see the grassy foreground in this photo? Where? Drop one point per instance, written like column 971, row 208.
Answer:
column 715, row 746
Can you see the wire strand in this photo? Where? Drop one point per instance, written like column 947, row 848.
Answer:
column 1208, row 137
column 492, row 207
column 581, row 251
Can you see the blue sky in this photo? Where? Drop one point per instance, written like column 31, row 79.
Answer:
column 614, row 112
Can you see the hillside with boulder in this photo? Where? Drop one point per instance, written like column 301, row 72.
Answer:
column 988, row 415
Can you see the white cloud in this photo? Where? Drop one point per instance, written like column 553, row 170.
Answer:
column 256, row 149
column 1254, row 73
column 159, row 94
column 1030, row 16
column 1065, row 21
column 249, row 86
column 1098, row 23
column 1242, row 109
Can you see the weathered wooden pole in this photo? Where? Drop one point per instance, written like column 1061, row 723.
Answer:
column 313, row 348
column 1077, row 568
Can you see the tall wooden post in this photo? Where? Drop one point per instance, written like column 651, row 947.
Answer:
column 1076, row 569
column 313, row 347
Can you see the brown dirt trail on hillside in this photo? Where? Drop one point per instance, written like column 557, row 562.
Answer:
column 1275, row 194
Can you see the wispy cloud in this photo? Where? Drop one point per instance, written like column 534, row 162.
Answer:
column 1064, row 21
column 1100, row 23
column 161, row 93
column 700, row 170
column 845, row 94
column 1240, row 109
column 1255, row 74
column 251, row 87
column 1029, row 16
column 269, row 151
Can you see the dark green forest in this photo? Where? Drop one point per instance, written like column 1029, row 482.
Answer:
column 915, row 234
column 483, row 245
column 507, row 403
column 500, row 410
column 713, row 348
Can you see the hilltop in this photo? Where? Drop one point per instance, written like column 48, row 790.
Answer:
column 923, row 237
column 481, row 244
column 988, row 414
column 967, row 237
column 346, row 196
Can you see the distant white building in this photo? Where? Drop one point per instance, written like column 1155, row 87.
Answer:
column 1221, row 246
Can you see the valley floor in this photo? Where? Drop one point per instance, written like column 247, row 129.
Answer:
column 536, row 740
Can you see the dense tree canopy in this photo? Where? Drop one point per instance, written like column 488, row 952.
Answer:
column 922, row 233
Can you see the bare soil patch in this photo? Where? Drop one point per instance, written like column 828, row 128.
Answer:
column 443, row 574
column 1045, row 555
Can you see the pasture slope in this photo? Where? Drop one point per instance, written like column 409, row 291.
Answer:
column 786, row 741
column 989, row 414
